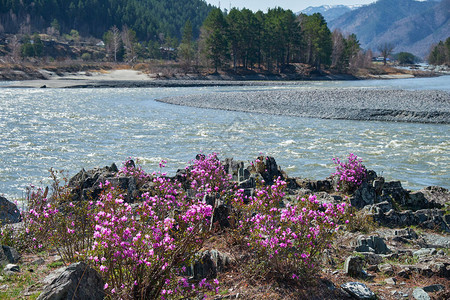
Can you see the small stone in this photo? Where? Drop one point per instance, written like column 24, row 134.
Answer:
column 358, row 290
column 372, row 258
column 11, row 268
column 420, row 294
column 425, row 251
column 434, row 288
column 37, row 262
column 330, row 285
column 373, row 268
column 391, row 281
column 386, row 268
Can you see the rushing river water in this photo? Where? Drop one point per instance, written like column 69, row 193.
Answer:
column 72, row 129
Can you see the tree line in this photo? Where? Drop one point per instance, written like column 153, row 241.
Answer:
column 274, row 40
column 148, row 18
column 440, row 53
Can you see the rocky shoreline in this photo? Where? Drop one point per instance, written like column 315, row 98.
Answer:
column 404, row 256
column 332, row 103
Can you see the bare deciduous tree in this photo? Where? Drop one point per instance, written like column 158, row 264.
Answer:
column 14, row 46
column 128, row 37
column 338, row 49
column 113, row 41
column 386, row 50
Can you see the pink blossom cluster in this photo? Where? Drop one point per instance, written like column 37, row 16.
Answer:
column 208, row 177
column 143, row 249
column 350, row 174
column 57, row 222
column 288, row 237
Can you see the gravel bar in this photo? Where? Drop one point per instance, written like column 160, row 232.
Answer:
column 331, row 103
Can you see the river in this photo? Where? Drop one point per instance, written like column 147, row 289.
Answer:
column 71, row 129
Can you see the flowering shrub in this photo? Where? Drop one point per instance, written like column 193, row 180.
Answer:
column 142, row 252
column 208, row 177
column 350, row 174
column 288, row 241
column 55, row 222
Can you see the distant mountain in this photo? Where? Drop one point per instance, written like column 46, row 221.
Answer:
column 329, row 12
column 412, row 26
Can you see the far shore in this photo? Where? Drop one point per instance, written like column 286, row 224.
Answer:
column 128, row 78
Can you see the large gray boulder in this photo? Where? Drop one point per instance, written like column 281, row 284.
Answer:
column 9, row 213
column 77, row 282
column 358, row 290
column 420, row 294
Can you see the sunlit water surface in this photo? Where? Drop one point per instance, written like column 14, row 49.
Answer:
column 72, row 129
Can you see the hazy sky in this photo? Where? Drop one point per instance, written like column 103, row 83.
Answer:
column 294, row 5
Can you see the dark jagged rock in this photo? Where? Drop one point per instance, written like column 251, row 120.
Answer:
column 393, row 191
column 9, row 213
column 315, row 185
column 8, row 255
column 405, row 235
column 363, row 196
column 221, row 210
column 268, row 168
column 434, row 288
column 386, row 269
column 377, row 208
column 372, row 258
column 236, row 169
column 210, row 263
column 76, row 282
column 369, row 192
column 353, row 266
column 425, row 218
column 436, row 196
column 433, row 267
column 86, row 184
column 371, row 244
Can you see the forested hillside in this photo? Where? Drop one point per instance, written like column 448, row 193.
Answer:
column 148, row 18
